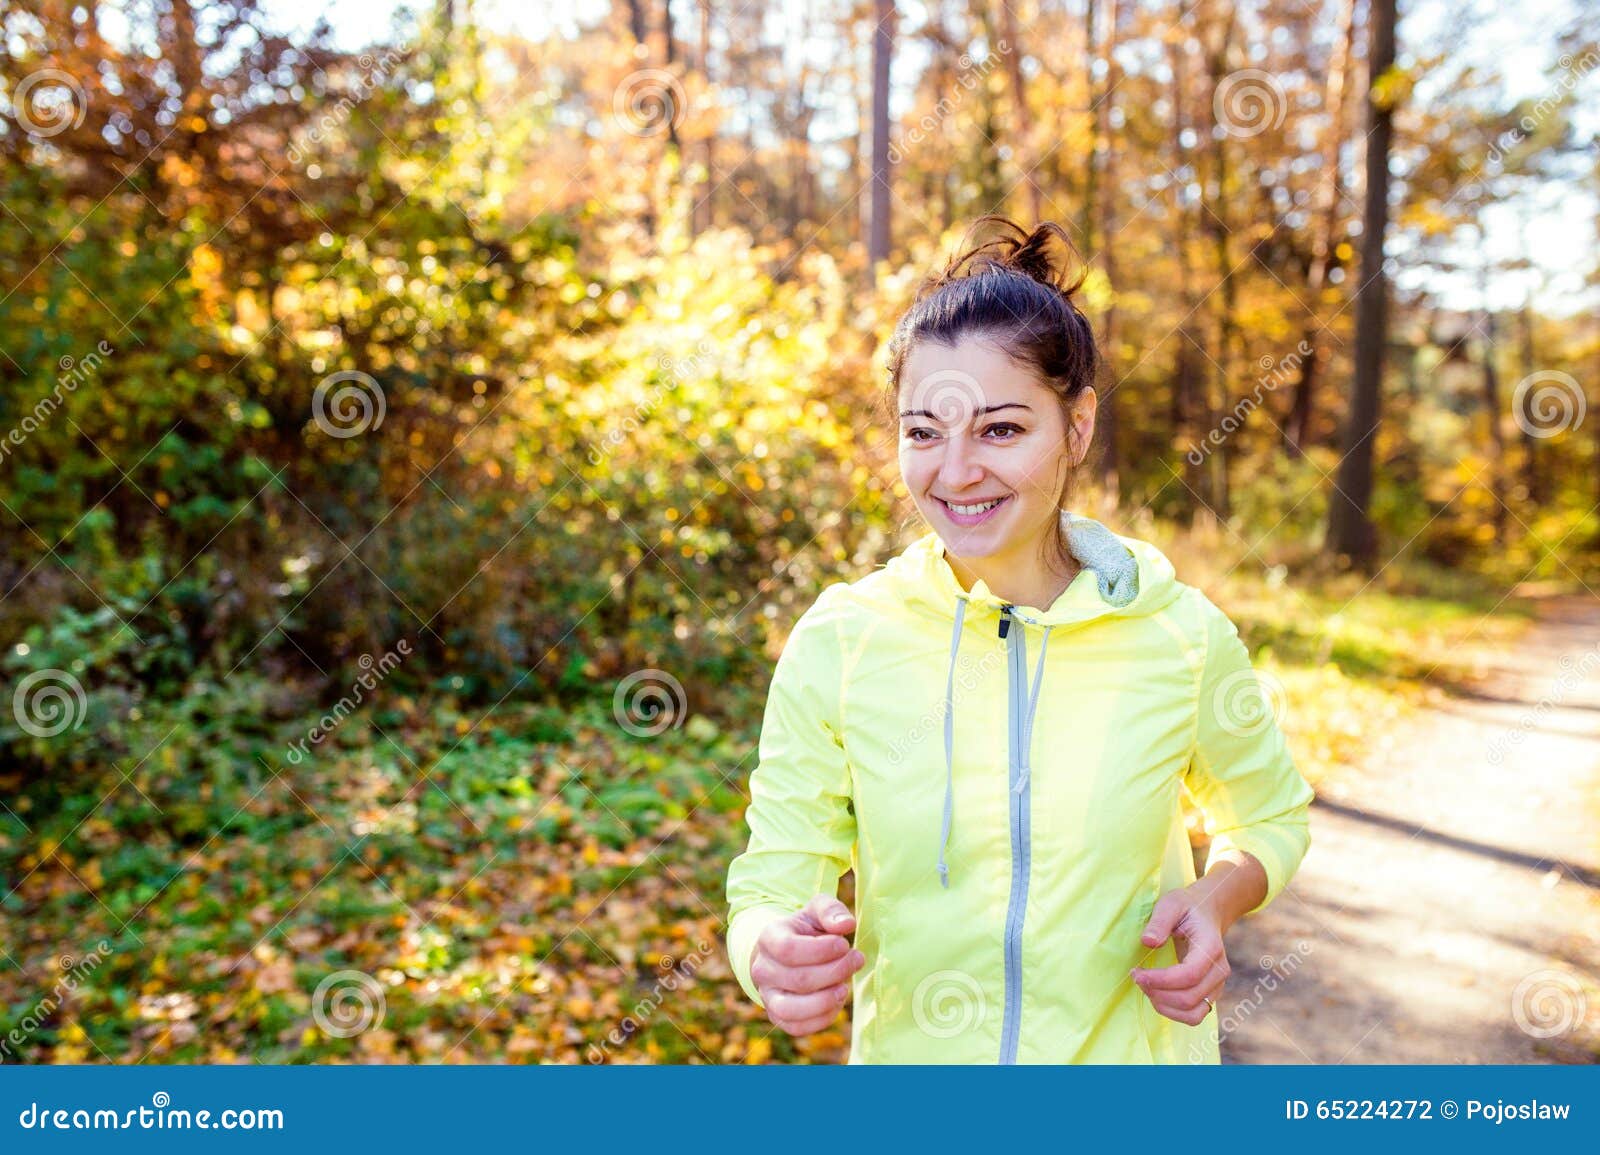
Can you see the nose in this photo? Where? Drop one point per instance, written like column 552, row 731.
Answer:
column 960, row 468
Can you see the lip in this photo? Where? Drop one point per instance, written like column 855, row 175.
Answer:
column 967, row 521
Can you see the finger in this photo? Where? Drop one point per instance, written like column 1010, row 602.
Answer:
column 1191, row 1017
column 1185, row 1001
column 825, row 914
column 794, row 1007
column 791, row 948
column 1205, row 952
column 1164, row 920
column 1188, row 973
column 1191, row 998
column 804, row 980
column 807, row 1026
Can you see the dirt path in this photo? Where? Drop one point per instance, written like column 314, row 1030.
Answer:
column 1448, row 910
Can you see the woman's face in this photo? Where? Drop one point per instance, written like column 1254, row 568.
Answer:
column 984, row 448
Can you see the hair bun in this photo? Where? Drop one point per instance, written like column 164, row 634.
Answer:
column 1046, row 255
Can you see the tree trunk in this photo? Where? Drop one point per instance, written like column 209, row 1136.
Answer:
column 1110, row 463
column 1351, row 533
column 1533, row 478
column 882, row 53
column 1497, row 439
column 702, row 217
column 1023, row 136
column 1302, row 411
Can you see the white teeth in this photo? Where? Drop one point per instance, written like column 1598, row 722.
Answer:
column 971, row 510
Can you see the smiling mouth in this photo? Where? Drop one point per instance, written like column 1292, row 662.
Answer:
column 972, row 509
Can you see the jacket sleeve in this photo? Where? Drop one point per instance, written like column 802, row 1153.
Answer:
column 1240, row 772
column 802, row 825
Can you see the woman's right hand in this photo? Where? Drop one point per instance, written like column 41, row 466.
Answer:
column 802, row 965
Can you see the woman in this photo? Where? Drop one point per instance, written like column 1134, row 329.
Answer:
column 1025, row 890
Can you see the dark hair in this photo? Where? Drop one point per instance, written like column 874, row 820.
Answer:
column 1014, row 292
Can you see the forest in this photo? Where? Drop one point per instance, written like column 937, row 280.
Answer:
column 421, row 426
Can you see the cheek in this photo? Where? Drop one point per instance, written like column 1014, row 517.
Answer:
column 1041, row 475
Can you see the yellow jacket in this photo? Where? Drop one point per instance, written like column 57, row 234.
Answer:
column 1010, row 830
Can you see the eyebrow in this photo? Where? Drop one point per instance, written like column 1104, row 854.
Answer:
column 985, row 409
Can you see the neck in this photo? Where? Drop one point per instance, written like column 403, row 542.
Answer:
column 1023, row 579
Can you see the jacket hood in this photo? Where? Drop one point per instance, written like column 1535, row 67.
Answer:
column 1121, row 576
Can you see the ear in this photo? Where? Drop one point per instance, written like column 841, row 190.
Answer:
column 1081, row 433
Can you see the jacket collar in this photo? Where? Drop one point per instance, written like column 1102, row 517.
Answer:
column 1119, row 575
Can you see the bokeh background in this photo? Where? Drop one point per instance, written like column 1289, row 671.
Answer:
column 420, row 427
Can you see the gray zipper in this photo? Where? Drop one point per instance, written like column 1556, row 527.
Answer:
column 1021, row 847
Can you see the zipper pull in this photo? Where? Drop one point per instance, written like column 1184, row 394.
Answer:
column 1005, row 620
column 1022, row 784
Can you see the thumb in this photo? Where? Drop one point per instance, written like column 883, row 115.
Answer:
column 825, row 914
column 1163, row 919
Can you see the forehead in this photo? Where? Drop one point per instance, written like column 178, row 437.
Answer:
column 972, row 367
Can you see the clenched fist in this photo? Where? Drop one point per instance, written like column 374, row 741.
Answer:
column 802, row 965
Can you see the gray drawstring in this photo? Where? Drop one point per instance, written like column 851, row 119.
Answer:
column 949, row 742
column 1033, row 703
column 949, row 731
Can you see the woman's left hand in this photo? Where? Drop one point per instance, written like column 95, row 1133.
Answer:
column 1180, row 991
